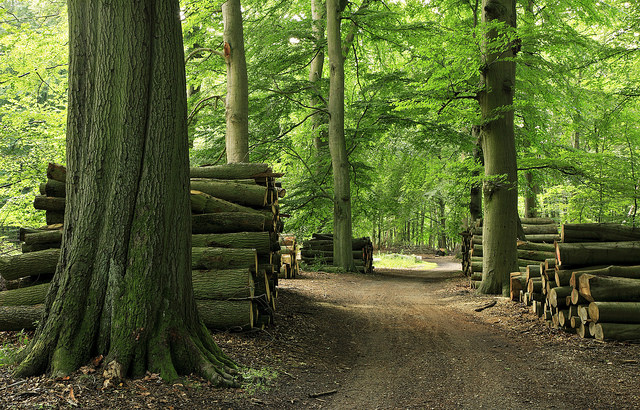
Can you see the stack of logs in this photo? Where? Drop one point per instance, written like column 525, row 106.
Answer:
column 319, row 251
column 235, row 258
column 540, row 234
column 290, row 268
column 591, row 285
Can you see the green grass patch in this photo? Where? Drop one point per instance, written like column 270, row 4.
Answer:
column 257, row 380
column 8, row 350
column 398, row 261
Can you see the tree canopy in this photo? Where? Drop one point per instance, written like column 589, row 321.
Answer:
column 412, row 77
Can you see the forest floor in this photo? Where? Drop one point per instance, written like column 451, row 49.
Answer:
column 394, row 339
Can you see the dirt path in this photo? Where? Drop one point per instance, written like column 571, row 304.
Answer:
column 393, row 340
column 411, row 339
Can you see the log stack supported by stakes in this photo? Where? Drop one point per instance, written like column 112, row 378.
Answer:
column 540, row 234
column 592, row 285
column 319, row 251
column 235, row 254
column 290, row 268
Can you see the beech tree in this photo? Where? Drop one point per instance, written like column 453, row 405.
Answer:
column 237, row 99
column 122, row 288
column 342, row 234
column 500, row 188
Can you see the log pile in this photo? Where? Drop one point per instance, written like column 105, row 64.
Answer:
column 540, row 234
column 592, row 284
column 235, row 248
column 290, row 268
column 319, row 251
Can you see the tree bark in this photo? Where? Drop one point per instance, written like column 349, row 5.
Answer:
column 337, row 144
column 500, row 189
column 205, row 203
column 237, row 99
column 57, row 172
column 123, row 288
column 599, row 233
column 475, row 193
column 600, row 253
column 53, row 188
column 49, row 203
column 242, row 194
column 226, row 314
column 530, row 197
column 222, row 284
column 540, row 229
column 14, row 318
column 48, row 236
column 223, row 258
column 631, row 272
column 32, row 295
column 537, row 221
column 615, row 312
column 617, row 331
column 606, row 288
column 231, row 171
column 227, row 222
column 260, row 241
column 315, row 76
column 29, row 264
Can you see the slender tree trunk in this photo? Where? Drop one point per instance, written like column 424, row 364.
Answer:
column 442, row 233
column 315, row 75
column 122, row 288
column 237, row 100
column 337, row 145
column 475, row 200
column 530, row 208
column 498, row 144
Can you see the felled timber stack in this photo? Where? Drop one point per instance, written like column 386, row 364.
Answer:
column 540, row 234
column 235, row 260
column 290, row 268
column 319, row 250
column 241, row 200
column 594, row 287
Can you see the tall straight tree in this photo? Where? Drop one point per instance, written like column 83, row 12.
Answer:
column 237, row 100
column 122, row 288
column 315, row 73
column 500, row 193
column 342, row 234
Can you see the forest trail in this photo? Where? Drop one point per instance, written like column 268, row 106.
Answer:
column 411, row 339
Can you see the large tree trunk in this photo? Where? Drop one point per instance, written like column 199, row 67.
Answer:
column 122, row 287
column 237, row 100
column 500, row 191
column 337, row 144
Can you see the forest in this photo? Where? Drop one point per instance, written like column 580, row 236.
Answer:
column 411, row 103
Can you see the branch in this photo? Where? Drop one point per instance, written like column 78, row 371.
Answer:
column 200, row 50
column 201, row 104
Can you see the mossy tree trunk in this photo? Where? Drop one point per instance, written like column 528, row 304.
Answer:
column 500, row 193
column 237, row 99
column 337, row 144
column 123, row 282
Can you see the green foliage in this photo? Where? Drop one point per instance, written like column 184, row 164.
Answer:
column 412, row 80
column 9, row 350
column 33, row 37
column 257, row 380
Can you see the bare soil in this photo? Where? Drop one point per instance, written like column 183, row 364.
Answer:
column 395, row 339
